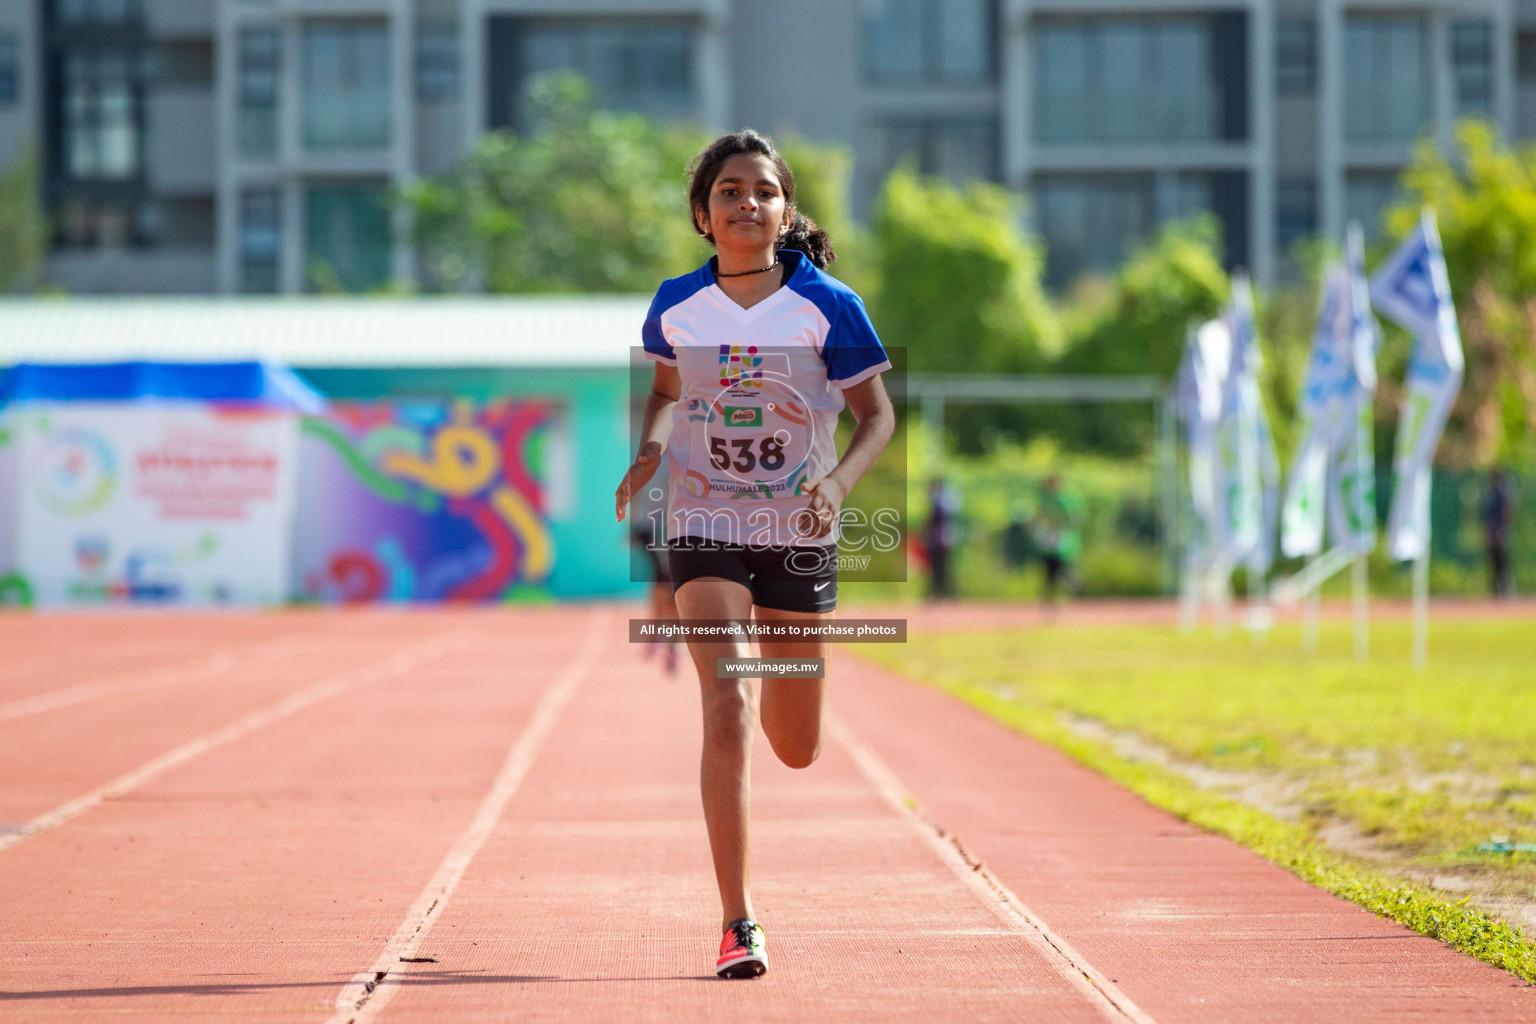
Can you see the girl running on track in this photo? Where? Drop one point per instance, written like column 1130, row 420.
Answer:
column 756, row 353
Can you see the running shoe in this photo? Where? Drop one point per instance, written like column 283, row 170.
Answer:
column 742, row 954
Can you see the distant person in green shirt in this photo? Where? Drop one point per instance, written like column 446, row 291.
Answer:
column 1056, row 531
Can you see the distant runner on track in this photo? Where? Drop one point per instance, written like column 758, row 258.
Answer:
column 757, row 353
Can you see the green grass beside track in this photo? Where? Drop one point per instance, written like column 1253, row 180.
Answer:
column 1426, row 765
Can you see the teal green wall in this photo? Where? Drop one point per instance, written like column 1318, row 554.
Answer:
column 591, row 552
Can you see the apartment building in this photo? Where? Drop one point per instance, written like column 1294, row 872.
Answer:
column 116, row 107
column 248, row 146
column 1286, row 118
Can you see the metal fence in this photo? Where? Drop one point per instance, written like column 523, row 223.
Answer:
column 1132, row 535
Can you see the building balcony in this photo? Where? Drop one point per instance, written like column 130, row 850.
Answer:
column 1135, row 156
column 180, row 18
column 159, row 271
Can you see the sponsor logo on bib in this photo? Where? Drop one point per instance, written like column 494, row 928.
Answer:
column 743, row 416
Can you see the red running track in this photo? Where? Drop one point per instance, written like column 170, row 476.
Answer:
column 257, row 817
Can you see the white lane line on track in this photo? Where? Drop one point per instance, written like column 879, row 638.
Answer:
column 366, row 995
column 215, row 664
column 1071, row 965
column 331, row 686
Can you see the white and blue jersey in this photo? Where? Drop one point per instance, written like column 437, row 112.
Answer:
column 761, row 394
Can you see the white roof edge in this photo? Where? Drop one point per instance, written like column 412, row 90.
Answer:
column 532, row 331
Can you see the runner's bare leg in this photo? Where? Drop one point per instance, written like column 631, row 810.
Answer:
column 792, row 707
column 725, row 766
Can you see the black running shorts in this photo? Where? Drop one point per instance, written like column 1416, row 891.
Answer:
column 788, row 579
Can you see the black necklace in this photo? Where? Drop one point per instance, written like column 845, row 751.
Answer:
column 749, row 273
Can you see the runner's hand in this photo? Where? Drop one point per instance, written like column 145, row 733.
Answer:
column 639, row 474
column 826, row 502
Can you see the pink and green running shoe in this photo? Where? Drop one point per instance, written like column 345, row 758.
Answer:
column 742, row 953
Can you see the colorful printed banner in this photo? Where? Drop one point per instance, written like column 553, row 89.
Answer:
column 1207, row 355
column 424, row 501
column 1247, row 473
column 14, row 588
column 1352, row 468
column 166, row 502
column 1333, row 471
column 1328, row 377
column 1412, row 288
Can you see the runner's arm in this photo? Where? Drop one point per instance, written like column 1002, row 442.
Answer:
column 656, row 421
column 871, row 407
column 655, row 425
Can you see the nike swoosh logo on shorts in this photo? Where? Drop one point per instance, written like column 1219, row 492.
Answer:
column 818, row 587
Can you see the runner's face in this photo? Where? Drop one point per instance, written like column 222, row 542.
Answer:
column 746, row 205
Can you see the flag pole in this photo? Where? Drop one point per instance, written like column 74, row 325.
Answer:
column 1189, row 596
column 1421, row 596
column 1360, row 593
column 1421, row 611
column 1220, row 582
column 1309, row 616
column 1259, row 616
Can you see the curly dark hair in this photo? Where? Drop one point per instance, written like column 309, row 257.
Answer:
column 803, row 234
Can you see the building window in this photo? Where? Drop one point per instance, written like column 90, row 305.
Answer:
column 644, row 66
column 1135, row 80
column 95, row 77
column 1229, row 202
column 958, row 148
column 185, row 222
column 98, row 12
column 347, row 237
column 1472, row 68
column 1295, row 56
column 10, row 71
column 261, row 240
column 1221, row 194
column 1367, row 194
column 84, row 221
column 1191, row 193
column 437, row 62
column 1090, row 223
column 1295, row 211
column 184, row 65
column 929, row 42
column 346, row 85
column 1386, row 78
column 260, row 56
column 1525, row 57
column 101, row 123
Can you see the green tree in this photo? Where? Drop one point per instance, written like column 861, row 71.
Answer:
column 1484, row 198
column 821, row 192
column 1139, row 327
column 23, row 233
column 959, row 281
column 1173, row 280
column 585, row 201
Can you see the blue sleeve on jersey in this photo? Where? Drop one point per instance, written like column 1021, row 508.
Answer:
column 852, row 350
column 655, row 343
column 670, row 293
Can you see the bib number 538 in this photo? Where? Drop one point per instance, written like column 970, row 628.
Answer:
column 769, row 454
